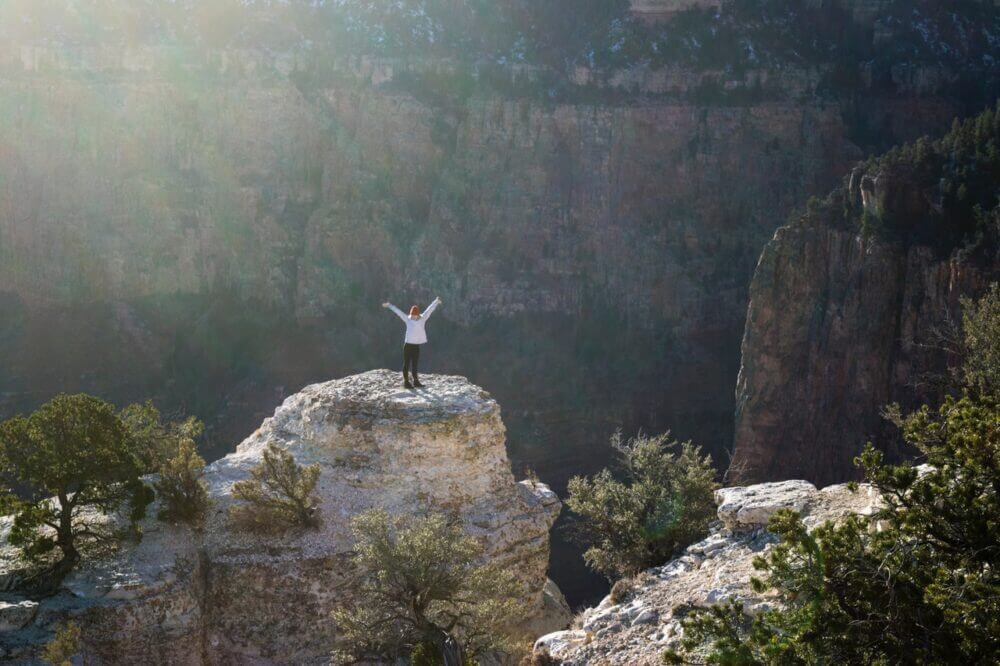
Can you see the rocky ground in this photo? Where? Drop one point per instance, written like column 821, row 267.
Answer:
column 714, row 570
column 218, row 595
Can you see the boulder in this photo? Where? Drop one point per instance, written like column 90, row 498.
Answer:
column 16, row 615
column 752, row 506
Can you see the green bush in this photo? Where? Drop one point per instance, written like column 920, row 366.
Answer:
column 664, row 504
column 181, row 487
column 278, row 495
column 422, row 583
column 155, row 441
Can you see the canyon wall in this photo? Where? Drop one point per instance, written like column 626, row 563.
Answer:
column 219, row 595
column 839, row 326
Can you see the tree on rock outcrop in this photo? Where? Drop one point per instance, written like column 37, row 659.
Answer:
column 663, row 505
column 73, row 461
column 278, row 495
column 424, row 592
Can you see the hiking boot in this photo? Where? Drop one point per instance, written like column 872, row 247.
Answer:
column 407, row 384
column 417, row 384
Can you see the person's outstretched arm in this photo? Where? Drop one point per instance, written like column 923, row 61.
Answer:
column 399, row 313
column 431, row 308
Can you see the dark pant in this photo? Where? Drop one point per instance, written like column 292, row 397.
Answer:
column 411, row 357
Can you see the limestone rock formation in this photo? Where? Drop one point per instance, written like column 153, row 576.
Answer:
column 219, row 595
column 714, row 570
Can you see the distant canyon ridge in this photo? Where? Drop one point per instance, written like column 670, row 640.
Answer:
column 215, row 229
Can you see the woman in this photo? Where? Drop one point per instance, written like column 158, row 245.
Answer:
column 415, row 336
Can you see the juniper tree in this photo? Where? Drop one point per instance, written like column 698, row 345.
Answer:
column 70, row 459
column 981, row 342
column 422, row 584
column 157, row 441
column 278, row 495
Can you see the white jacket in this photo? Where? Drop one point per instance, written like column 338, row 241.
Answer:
column 415, row 333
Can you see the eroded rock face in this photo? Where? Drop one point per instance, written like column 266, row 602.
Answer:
column 838, row 327
column 219, row 595
column 715, row 570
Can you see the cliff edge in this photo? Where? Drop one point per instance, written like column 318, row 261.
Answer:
column 220, row 595
column 637, row 629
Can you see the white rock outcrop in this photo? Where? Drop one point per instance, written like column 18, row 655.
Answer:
column 218, row 595
column 714, row 570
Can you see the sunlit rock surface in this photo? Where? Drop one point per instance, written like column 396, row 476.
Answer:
column 714, row 570
column 219, row 595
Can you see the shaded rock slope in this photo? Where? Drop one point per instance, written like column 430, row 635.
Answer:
column 717, row 569
column 221, row 596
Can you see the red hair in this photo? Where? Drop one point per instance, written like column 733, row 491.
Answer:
column 414, row 311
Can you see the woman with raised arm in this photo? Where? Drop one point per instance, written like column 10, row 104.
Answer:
column 415, row 336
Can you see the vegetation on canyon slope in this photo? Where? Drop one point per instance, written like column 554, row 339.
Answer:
column 64, row 646
column 914, row 583
column 424, row 591
column 958, row 175
column 663, row 505
column 941, row 193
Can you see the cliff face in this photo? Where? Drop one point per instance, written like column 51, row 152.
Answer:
column 218, row 595
column 638, row 629
column 239, row 197
column 839, row 327
column 856, row 306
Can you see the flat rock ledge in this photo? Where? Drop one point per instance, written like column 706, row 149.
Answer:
column 714, row 570
column 218, row 595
